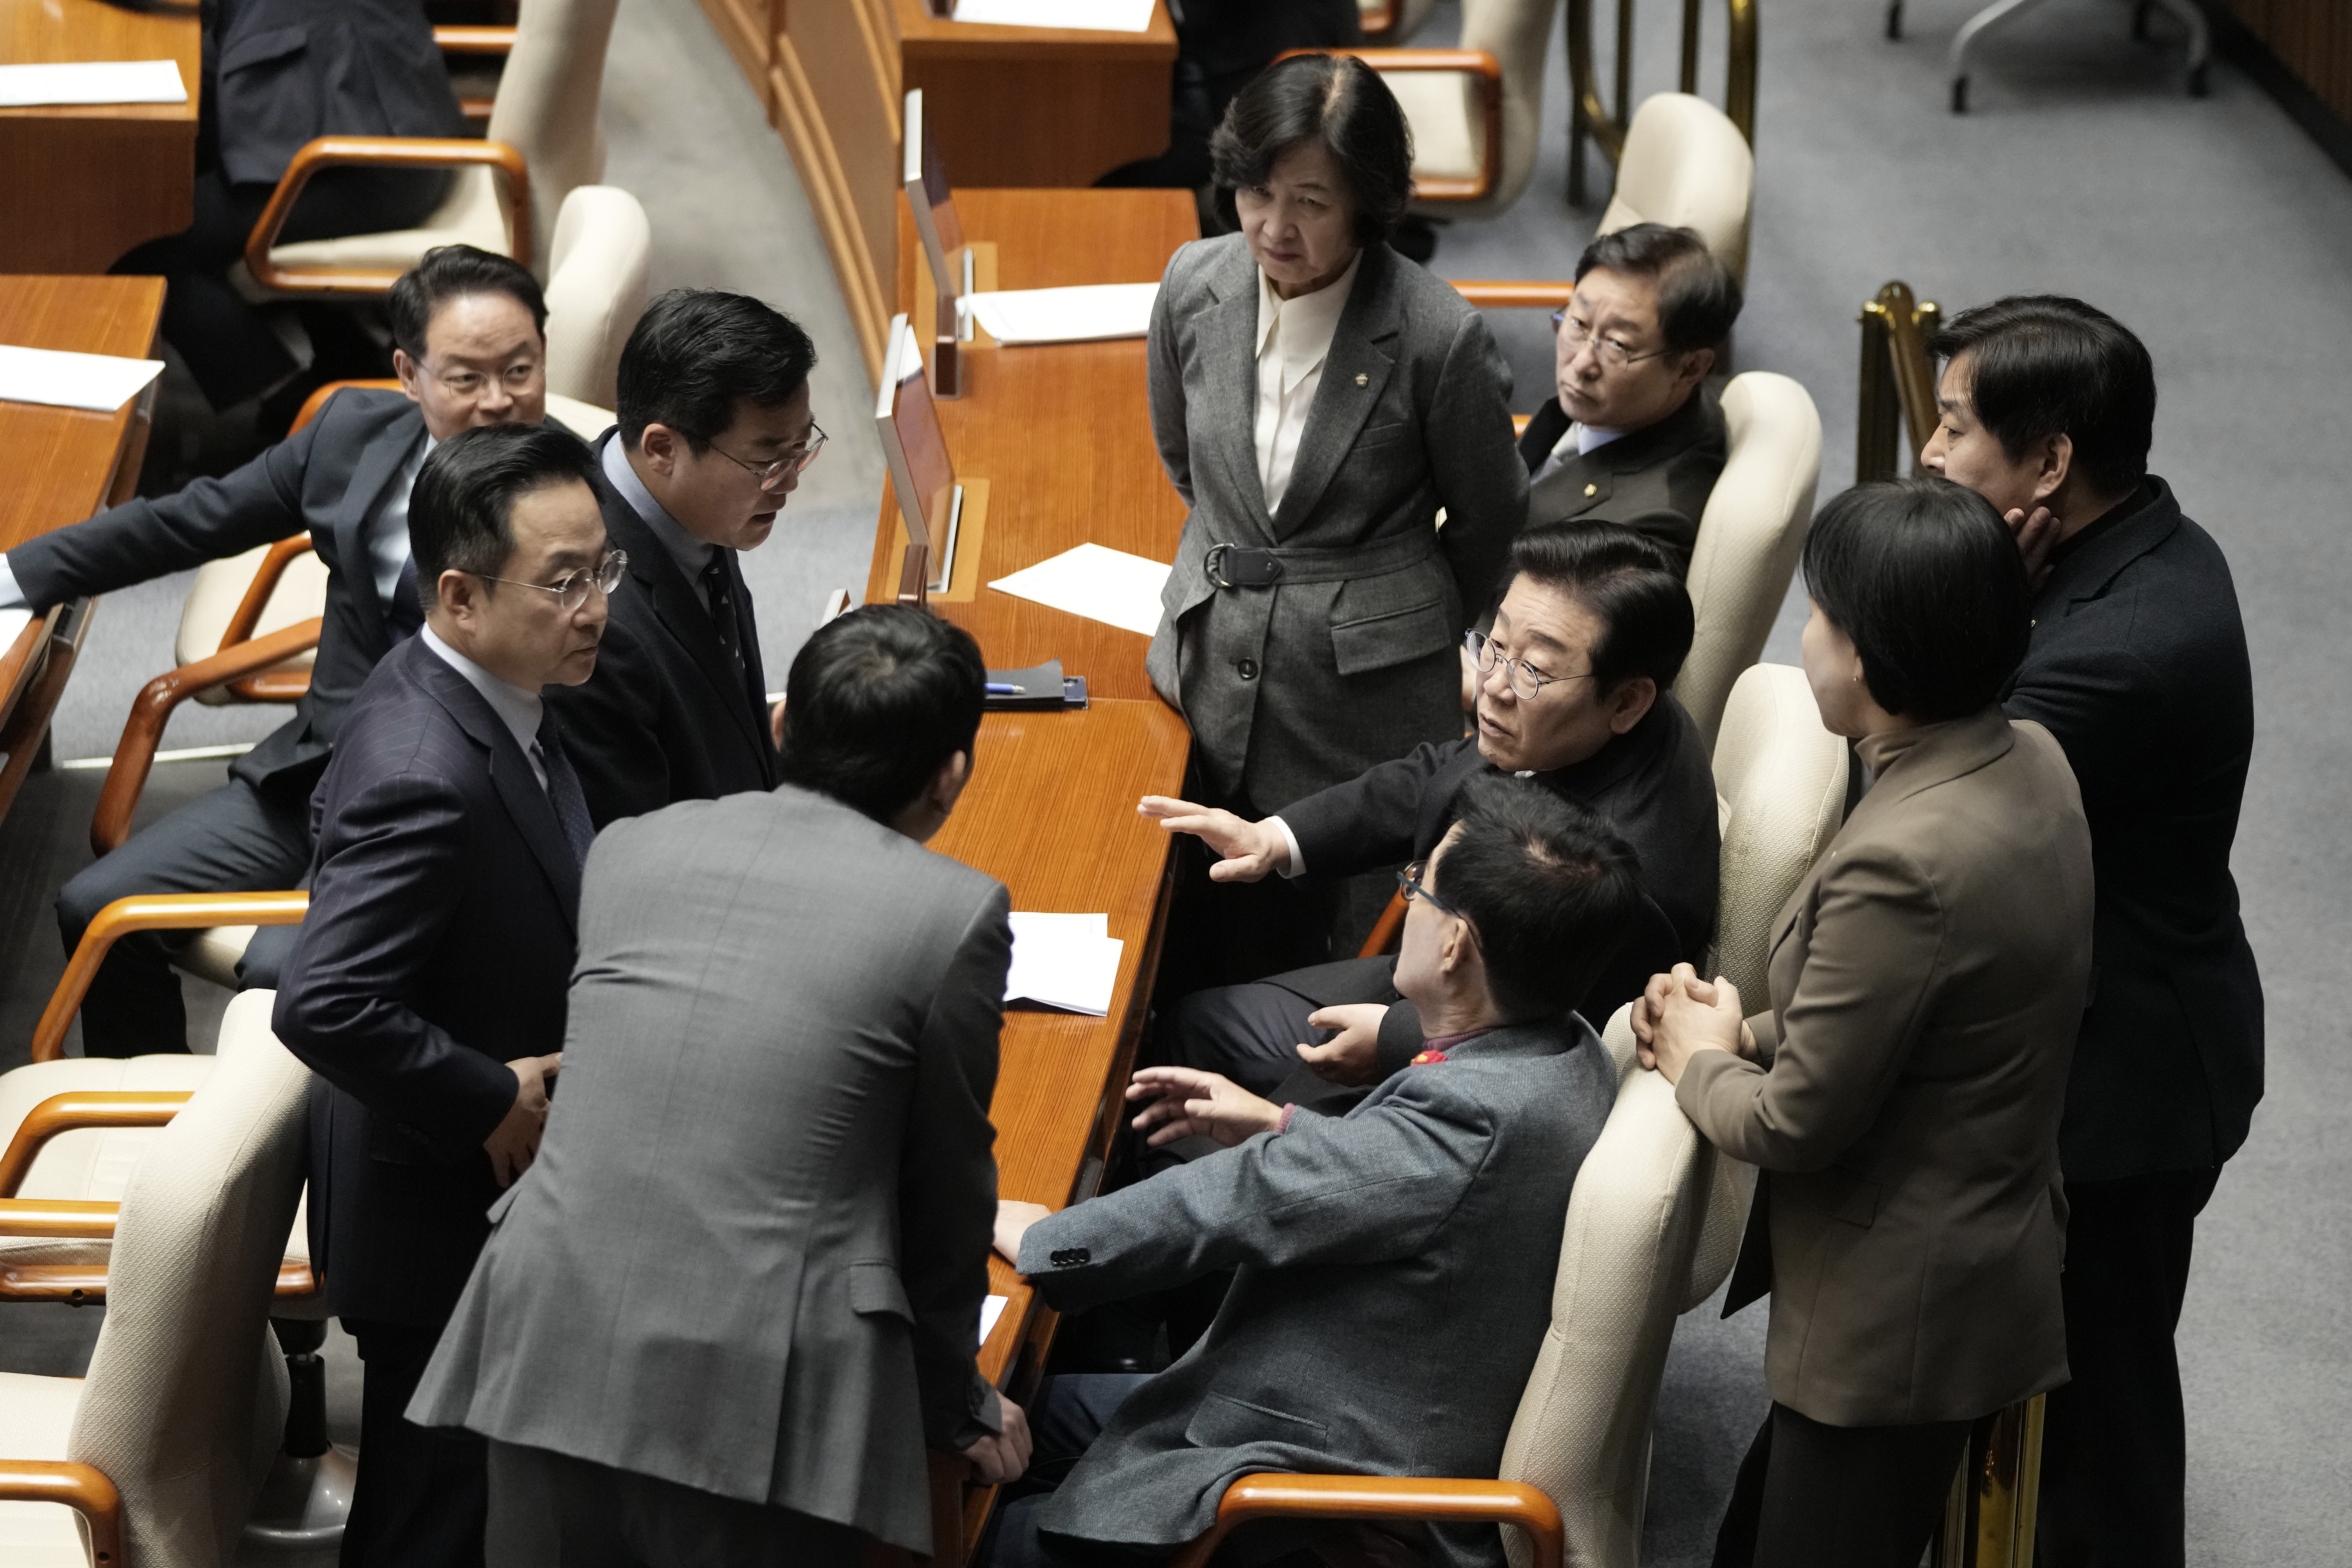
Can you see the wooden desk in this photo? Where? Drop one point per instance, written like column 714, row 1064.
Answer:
column 81, row 184
column 1061, row 432
column 63, row 465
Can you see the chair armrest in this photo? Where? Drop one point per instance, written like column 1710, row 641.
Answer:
column 134, row 754
column 1489, row 295
column 1385, row 930
column 154, row 912
column 81, row 1488
column 1473, row 62
column 377, row 152
column 270, row 685
column 1391, row 1500
column 318, row 400
column 474, row 40
column 76, row 1110
column 56, row 1219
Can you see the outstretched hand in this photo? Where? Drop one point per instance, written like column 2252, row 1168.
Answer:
column 1245, row 852
column 1184, row 1102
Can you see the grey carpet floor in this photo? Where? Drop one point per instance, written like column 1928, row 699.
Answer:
column 2213, row 227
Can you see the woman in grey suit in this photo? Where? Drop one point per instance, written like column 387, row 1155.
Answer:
column 1902, row 1090
column 1319, row 402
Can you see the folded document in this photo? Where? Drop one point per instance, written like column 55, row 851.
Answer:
column 92, row 81
column 101, row 383
column 1086, row 313
column 1069, row 962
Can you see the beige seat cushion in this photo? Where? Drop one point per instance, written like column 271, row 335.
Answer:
column 1781, row 783
column 595, row 289
column 585, row 420
column 220, row 587
column 35, row 1415
column 1685, row 164
column 1449, row 125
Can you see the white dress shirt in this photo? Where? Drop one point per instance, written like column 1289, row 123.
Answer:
column 1585, row 438
column 1294, row 339
column 518, row 709
column 691, row 551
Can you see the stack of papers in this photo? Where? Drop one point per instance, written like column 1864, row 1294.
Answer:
column 1088, row 314
column 1070, row 962
column 92, row 82
column 1102, row 15
column 100, row 382
column 1102, row 585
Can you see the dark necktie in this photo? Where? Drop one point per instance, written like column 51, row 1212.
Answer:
column 563, row 789
column 719, row 590
column 403, row 617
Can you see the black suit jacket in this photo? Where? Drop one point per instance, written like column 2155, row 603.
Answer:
column 667, row 716
column 439, row 947
column 279, row 72
column 2139, row 666
column 1655, row 481
column 327, row 477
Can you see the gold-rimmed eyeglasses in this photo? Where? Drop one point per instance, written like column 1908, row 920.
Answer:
column 784, row 466
column 570, row 590
column 1524, row 679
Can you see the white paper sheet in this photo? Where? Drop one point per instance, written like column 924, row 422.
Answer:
column 92, row 82
column 1102, row 585
column 1070, row 962
column 12, row 626
column 990, row 1311
column 1102, row 15
column 98, row 381
column 1088, row 314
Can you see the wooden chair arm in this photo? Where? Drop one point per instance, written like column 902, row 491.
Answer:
column 154, row 912
column 377, row 152
column 78, row 1109
column 1475, row 62
column 134, row 754
column 1385, row 930
column 1489, row 295
column 318, row 400
column 56, row 1219
column 81, row 1488
column 474, row 40
column 1391, row 1500
column 265, row 582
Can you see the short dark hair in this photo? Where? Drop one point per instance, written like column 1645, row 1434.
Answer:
column 1646, row 621
column 2043, row 364
column 1336, row 99
column 696, row 352
column 1927, row 581
column 459, row 513
column 449, row 272
column 1698, row 299
column 1548, row 886
column 877, row 702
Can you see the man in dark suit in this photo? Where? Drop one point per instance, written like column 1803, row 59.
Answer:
column 276, row 74
column 2138, row 667
column 1634, row 436
column 467, row 326
column 1388, row 1302
column 1594, row 627
column 426, row 988
column 714, row 432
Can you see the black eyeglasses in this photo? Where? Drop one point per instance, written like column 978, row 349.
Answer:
column 1408, row 884
column 793, row 462
column 570, row 590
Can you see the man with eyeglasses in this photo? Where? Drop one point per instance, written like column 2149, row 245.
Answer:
column 468, row 329
column 715, row 431
column 1633, row 437
column 426, row 985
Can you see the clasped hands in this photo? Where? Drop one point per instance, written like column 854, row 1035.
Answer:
column 1678, row 1015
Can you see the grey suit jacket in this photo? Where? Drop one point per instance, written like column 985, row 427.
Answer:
column 1928, row 980
column 1395, row 1270
column 751, row 1255
column 1655, row 481
column 1347, row 659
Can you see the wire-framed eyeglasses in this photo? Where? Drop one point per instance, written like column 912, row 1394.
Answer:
column 570, row 590
column 1409, row 883
column 1574, row 335
column 773, row 474
column 1524, row 679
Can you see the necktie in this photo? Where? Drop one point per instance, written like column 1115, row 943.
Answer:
column 719, row 590
column 403, row 617
column 563, row 789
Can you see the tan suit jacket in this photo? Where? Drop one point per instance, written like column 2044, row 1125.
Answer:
column 1928, row 978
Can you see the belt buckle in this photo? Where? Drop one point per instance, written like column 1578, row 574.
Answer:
column 1258, row 568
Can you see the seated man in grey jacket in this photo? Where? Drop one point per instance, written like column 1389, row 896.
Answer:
column 1395, row 1264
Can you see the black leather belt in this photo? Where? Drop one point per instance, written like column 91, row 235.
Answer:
column 1239, row 566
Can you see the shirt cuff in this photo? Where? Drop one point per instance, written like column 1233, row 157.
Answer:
column 12, row 597
column 1296, row 866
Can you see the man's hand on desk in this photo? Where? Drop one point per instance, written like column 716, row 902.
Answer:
column 1184, row 1102
column 1004, row 1456
column 1014, row 1219
column 1352, row 1056
column 1246, row 851
column 515, row 1140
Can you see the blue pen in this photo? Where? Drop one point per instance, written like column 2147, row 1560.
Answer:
column 1001, row 689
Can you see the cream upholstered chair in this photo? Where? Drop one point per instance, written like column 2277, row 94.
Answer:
column 1686, row 165
column 595, row 292
column 163, row 1449
column 543, row 124
column 1749, row 536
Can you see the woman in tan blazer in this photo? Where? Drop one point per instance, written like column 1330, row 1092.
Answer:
column 1901, row 1093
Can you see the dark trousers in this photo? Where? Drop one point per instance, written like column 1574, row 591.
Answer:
column 2113, row 1446
column 1810, row 1495
column 1068, row 1414
column 422, row 1494
column 1251, row 1034
column 552, row 1510
column 236, row 839
column 226, row 343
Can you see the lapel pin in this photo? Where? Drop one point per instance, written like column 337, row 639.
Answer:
column 1362, row 379
column 1592, row 490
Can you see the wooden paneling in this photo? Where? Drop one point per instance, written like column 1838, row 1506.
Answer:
column 837, row 93
column 1061, row 432
column 2312, row 39
column 80, row 184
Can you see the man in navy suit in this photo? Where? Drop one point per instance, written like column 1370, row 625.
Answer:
column 426, row 987
column 470, row 352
